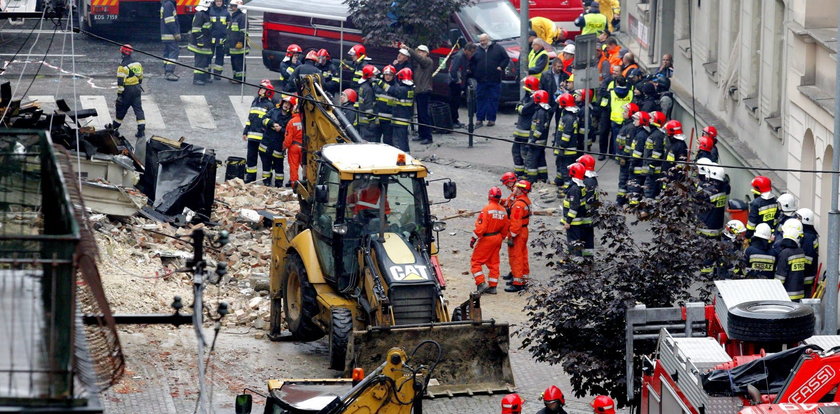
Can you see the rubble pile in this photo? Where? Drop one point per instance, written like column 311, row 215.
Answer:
column 140, row 256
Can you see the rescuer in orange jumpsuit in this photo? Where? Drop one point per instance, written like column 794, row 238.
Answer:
column 293, row 143
column 366, row 197
column 520, row 212
column 491, row 227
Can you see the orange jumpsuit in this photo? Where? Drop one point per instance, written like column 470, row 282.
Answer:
column 293, row 144
column 520, row 212
column 491, row 227
column 366, row 199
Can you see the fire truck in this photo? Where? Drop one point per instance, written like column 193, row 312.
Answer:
column 98, row 15
column 752, row 351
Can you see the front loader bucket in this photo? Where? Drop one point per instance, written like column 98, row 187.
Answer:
column 475, row 354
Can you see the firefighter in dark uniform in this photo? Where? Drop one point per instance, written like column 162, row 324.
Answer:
column 307, row 68
column 129, row 79
column 219, row 17
column 170, row 35
column 575, row 211
column 288, row 65
column 367, row 104
column 329, row 71
column 201, row 42
column 254, row 127
column 791, row 261
column 624, row 149
column 535, row 164
column 811, row 247
column 638, row 166
column 402, row 107
column 271, row 146
column 522, row 130
column 654, row 153
column 591, row 182
column 677, row 151
column 565, row 139
column 764, row 208
column 358, row 61
column 382, row 88
column 759, row 259
column 237, row 40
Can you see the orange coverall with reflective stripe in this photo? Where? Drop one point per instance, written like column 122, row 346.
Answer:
column 293, row 144
column 520, row 212
column 491, row 227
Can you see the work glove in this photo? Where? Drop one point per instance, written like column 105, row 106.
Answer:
column 472, row 242
column 239, row 45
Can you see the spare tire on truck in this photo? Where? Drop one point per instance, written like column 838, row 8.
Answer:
column 771, row 321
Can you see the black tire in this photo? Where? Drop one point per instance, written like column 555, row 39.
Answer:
column 300, row 305
column 771, row 321
column 458, row 315
column 341, row 328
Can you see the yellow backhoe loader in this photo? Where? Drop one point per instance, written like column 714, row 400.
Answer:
column 358, row 264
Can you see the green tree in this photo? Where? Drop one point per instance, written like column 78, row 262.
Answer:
column 578, row 321
column 413, row 22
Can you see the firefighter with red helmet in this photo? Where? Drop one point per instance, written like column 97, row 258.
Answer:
column 512, row 404
column 554, row 401
column 677, row 151
column 603, row 404
column 576, row 215
column 705, row 146
column 565, row 139
column 347, row 100
column 293, row 143
column 288, row 65
column 764, row 208
column 624, row 150
column 402, row 107
column 382, row 88
column 535, row 165
column 509, row 181
column 358, row 60
column 491, row 228
column 271, row 146
column 255, row 128
column 711, row 132
column 329, row 71
column 638, row 166
column 366, row 104
column 520, row 213
column 590, row 181
column 654, row 153
column 306, row 68
column 129, row 91
column 522, row 130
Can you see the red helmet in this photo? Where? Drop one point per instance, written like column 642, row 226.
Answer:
column 265, row 82
column 603, row 404
column 566, row 100
column 580, row 94
column 324, row 53
column 524, row 185
column 673, row 128
column 351, row 95
column 588, row 161
column 292, row 49
column 630, row 109
column 357, row 50
column 368, row 71
column 531, row 83
column 389, row 70
column 126, row 49
column 291, row 99
column 710, row 131
column 553, row 394
column 512, row 404
column 495, row 193
column 657, row 118
column 577, row 170
column 405, row 75
column 269, row 90
column 540, row 97
column 641, row 118
column 507, row 178
column 311, row 55
column 706, row 143
column 761, row 184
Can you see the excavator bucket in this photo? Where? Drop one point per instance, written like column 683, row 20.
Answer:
column 475, row 355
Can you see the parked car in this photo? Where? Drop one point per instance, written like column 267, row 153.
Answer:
column 325, row 24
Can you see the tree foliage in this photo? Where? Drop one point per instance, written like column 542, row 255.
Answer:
column 413, row 22
column 578, row 319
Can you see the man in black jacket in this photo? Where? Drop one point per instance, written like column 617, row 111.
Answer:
column 487, row 67
column 458, row 68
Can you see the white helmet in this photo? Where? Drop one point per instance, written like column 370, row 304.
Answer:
column 734, row 228
column 703, row 166
column 763, row 231
column 787, row 202
column 237, row 3
column 792, row 229
column 715, row 172
column 204, row 5
column 806, row 216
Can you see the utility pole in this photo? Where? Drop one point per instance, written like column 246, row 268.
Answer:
column 831, row 280
column 524, row 47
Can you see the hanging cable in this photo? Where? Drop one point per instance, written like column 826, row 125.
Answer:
column 25, row 63
column 691, row 66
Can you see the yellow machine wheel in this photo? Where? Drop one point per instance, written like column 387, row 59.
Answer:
column 300, row 303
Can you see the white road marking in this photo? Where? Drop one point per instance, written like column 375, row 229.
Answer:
column 47, row 102
column 198, row 112
column 241, row 106
column 154, row 120
column 98, row 102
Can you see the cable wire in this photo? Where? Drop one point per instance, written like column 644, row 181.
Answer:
column 26, row 62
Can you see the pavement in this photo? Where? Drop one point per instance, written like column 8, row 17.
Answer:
column 160, row 377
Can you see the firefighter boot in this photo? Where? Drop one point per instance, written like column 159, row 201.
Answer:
column 489, row 291
column 481, row 288
column 141, row 131
column 217, row 74
column 508, row 276
column 515, row 288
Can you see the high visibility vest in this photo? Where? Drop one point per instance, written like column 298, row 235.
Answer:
column 617, row 106
column 532, row 60
column 594, row 22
